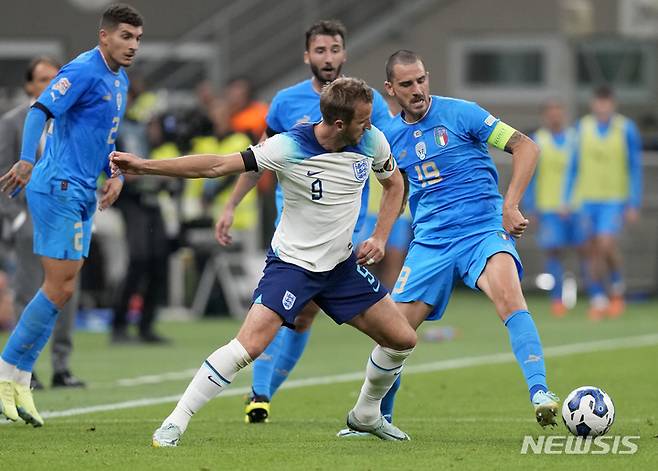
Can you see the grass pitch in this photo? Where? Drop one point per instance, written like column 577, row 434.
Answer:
column 463, row 401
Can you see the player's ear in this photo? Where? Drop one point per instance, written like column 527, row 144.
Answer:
column 306, row 59
column 388, row 86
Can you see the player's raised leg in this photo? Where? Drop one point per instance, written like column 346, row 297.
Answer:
column 500, row 281
column 218, row 370
column 395, row 341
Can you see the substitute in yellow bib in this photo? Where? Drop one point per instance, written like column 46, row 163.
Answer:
column 558, row 227
column 606, row 175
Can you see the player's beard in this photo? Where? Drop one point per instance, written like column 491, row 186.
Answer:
column 320, row 75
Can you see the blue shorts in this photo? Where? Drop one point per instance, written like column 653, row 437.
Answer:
column 556, row 231
column 400, row 237
column 343, row 292
column 432, row 269
column 602, row 218
column 62, row 226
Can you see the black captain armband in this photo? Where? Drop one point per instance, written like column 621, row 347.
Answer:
column 42, row 107
column 249, row 160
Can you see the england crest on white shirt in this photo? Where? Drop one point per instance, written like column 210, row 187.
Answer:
column 361, row 169
column 421, row 150
column 288, row 300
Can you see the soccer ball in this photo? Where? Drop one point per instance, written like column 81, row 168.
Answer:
column 588, row 412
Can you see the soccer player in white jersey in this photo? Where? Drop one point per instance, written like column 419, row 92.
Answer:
column 322, row 168
column 325, row 54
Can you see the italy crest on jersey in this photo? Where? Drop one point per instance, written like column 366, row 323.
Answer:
column 441, row 136
column 288, row 300
column 361, row 169
column 421, row 150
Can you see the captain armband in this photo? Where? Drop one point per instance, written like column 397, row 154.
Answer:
column 501, row 135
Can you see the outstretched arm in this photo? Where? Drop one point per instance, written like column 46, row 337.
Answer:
column 189, row 166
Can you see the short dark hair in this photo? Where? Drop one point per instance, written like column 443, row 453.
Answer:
column 120, row 13
column 326, row 28
column 29, row 72
column 403, row 56
column 337, row 100
column 604, row 92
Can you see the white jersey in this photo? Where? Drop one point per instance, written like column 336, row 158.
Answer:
column 321, row 191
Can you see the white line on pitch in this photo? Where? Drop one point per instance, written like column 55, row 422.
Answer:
column 465, row 362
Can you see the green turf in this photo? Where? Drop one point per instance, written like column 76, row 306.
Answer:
column 466, row 418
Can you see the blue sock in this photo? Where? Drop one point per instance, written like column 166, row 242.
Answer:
column 29, row 358
column 264, row 365
column 596, row 289
column 292, row 347
column 527, row 349
column 389, row 400
column 554, row 267
column 31, row 333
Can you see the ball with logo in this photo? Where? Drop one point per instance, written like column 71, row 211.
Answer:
column 588, row 411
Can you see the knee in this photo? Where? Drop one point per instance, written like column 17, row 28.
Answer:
column 59, row 293
column 305, row 318
column 405, row 340
column 302, row 324
column 509, row 300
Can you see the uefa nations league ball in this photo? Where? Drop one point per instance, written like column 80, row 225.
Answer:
column 588, row 412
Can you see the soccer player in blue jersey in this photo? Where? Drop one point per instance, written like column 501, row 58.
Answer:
column 322, row 168
column 464, row 230
column 325, row 54
column 86, row 100
column 605, row 175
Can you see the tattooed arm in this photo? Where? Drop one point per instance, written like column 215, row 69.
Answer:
column 525, row 155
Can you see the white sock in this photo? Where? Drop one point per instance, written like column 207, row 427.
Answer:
column 213, row 377
column 384, row 366
column 7, row 371
column 23, row 377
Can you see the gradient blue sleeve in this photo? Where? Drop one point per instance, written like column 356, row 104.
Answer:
column 32, row 131
column 477, row 121
column 634, row 143
column 572, row 171
column 66, row 88
column 381, row 114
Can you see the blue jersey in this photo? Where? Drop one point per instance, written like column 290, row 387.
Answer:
column 301, row 104
column 87, row 101
column 453, row 183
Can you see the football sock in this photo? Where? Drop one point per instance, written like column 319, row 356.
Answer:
column 23, row 377
column 527, row 349
column 554, row 267
column 389, row 400
column 292, row 347
column 384, row 366
column 31, row 333
column 596, row 291
column 216, row 373
column 616, row 283
column 7, row 371
column 264, row 365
